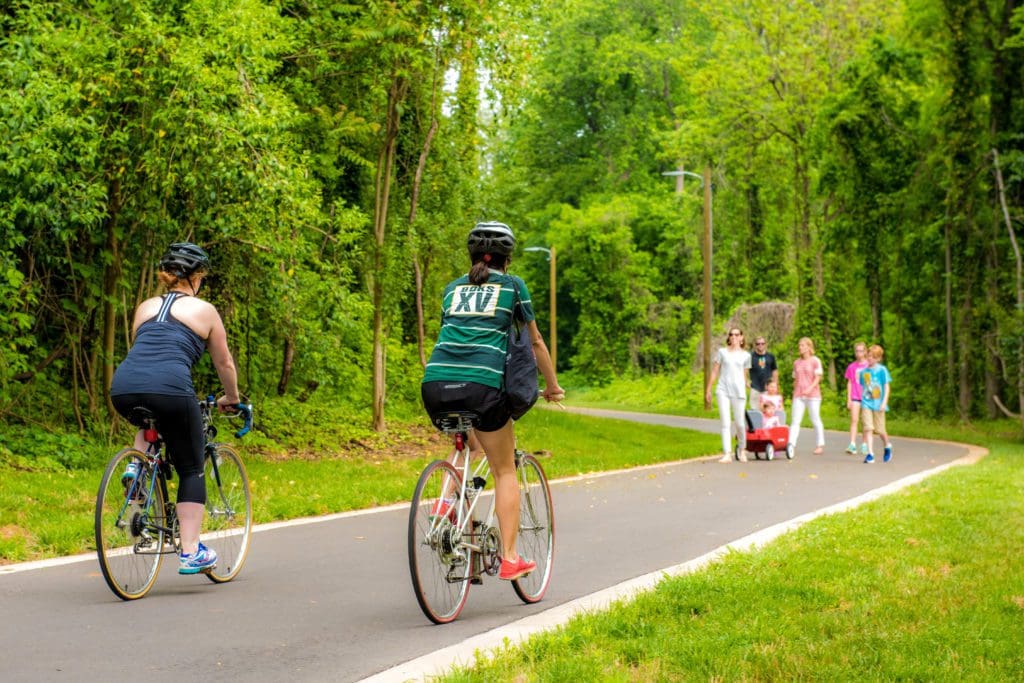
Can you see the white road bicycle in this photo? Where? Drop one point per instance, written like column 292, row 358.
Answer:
column 453, row 545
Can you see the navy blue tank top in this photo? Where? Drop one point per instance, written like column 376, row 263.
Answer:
column 161, row 359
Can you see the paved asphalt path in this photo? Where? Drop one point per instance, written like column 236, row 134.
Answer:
column 332, row 600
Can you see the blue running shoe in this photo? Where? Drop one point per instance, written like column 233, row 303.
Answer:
column 888, row 454
column 203, row 560
column 870, row 459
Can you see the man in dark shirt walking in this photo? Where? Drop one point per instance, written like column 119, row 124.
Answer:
column 763, row 370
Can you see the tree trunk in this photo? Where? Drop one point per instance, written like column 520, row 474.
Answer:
column 110, row 278
column 950, row 368
column 286, row 366
column 382, row 191
column 875, row 295
column 421, row 332
column 963, row 364
column 804, row 259
column 417, row 181
column 1018, row 283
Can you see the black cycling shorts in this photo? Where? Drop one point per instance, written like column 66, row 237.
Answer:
column 487, row 402
column 181, row 427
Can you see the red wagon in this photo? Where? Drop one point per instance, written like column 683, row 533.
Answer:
column 766, row 440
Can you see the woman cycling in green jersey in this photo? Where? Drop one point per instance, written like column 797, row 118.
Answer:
column 467, row 366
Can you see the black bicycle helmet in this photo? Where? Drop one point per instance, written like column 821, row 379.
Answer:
column 184, row 258
column 491, row 238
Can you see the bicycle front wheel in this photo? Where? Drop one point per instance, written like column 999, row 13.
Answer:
column 439, row 563
column 536, row 529
column 228, row 512
column 130, row 526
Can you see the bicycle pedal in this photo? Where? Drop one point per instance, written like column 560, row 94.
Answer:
column 476, row 581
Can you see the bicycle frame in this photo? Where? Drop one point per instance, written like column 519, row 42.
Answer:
column 135, row 515
column 154, row 466
column 470, row 488
column 471, row 530
column 480, row 475
column 151, row 468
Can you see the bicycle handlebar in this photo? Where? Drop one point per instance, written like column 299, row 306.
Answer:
column 246, row 410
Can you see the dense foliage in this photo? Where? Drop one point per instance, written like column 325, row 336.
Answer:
column 331, row 156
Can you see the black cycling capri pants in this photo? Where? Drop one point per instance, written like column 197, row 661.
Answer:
column 487, row 402
column 181, row 426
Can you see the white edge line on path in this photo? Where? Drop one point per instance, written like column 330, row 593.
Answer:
column 492, row 642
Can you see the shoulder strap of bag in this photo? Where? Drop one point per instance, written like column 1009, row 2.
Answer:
column 516, row 299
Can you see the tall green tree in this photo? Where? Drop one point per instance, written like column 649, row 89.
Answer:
column 159, row 126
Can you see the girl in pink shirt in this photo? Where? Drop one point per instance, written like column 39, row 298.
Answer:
column 860, row 353
column 807, row 374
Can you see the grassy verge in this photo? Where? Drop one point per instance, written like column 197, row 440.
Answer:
column 926, row 584
column 49, row 513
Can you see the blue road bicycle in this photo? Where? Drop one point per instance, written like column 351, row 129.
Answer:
column 136, row 523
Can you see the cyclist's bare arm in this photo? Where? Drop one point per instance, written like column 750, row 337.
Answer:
column 552, row 392
column 217, row 344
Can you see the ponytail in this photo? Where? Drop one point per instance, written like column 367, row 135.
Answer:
column 479, row 273
column 482, row 265
column 168, row 280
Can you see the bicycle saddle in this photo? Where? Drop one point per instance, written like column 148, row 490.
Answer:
column 141, row 417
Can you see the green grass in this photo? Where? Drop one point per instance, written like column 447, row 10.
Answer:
column 48, row 513
column 926, row 584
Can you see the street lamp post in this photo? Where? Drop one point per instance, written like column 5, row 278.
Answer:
column 554, row 326
column 706, row 249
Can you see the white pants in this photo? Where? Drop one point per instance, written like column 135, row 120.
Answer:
column 738, row 420
column 813, row 406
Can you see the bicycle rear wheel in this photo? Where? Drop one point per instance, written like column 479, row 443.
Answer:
column 228, row 512
column 438, row 562
column 129, row 526
column 536, row 540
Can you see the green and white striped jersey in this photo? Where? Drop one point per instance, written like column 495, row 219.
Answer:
column 475, row 320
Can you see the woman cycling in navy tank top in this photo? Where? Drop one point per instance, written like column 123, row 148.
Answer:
column 171, row 332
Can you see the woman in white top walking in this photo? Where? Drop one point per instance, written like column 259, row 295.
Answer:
column 731, row 368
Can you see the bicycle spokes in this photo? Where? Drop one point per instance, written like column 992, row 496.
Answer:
column 130, row 529
column 536, row 529
column 440, row 562
column 228, row 511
